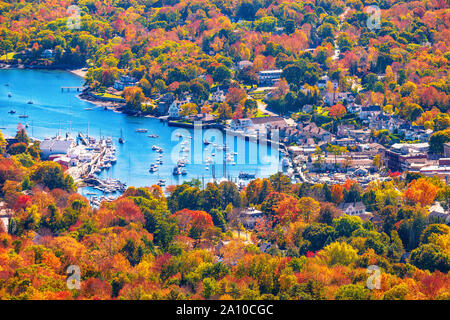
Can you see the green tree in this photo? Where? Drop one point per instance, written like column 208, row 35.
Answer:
column 353, row 292
column 430, row 257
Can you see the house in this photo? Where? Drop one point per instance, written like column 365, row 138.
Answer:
column 249, row 217
column 311, row 130
column 322, row 83
column 369, row 111
column 244, row 64
column 244, row 124
column 361, row 172
column 269, row 77
column 345, row 142
column 164, row 103
column 203, row 117
column 125, row 81
column 47, row 54
column 218, row 96
column 55, row 146
column 447, row 150
column 353, row 208
column 174, row 109
column 5, row 217
column 307, row 108
column 269, row 123
column 437, row 211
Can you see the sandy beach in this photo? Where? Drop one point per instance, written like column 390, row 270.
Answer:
column 79, row 72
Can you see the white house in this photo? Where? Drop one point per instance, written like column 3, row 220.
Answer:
column 55, row 146
column 353, row 208
column 241, row 124
column 174, row 109
column 218, row 96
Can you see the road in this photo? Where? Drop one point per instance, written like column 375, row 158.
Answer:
column 262, row 108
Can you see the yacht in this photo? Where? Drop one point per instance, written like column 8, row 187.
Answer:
column 176, row 171
column 121, row 141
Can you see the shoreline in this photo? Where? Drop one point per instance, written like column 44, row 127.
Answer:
column 81, row 72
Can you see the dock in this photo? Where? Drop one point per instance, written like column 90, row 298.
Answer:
column 77, row 88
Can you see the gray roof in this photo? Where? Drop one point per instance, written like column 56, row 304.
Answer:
column 55, row 144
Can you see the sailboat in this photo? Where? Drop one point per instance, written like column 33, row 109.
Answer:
column 121, row 141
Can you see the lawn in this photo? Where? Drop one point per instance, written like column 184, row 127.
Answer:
column 7, row 56
column 107, row 95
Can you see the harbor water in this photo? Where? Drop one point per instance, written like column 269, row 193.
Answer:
column 52, row 111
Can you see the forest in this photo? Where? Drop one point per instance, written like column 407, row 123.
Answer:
column 188, row 242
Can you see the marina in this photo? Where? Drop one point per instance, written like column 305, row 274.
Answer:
column 55, row 112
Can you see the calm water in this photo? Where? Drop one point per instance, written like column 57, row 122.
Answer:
column 54, row 111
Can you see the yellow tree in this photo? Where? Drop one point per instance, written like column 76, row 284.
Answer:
column 188, row 109
column 309, row 208
column 421, row 191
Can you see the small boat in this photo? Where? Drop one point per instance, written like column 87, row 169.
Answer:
column 6, row 84
column 161, row 182
column 206, row 142
column 121, row 141
column 183, row 172
column 153, row 169
column 26, row 125
column 30, row 102
column 11, row 111
column 141, row 130
column 23, row 116
column 152, row 136
column 176, row 171
column 9, row 94
column 87, row 109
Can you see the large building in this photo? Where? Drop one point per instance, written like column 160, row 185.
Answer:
column 399, row 157
column 55, row 146
column 269, row 77
column 125, row 81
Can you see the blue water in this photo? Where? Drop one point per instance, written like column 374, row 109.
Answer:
column 54, row 111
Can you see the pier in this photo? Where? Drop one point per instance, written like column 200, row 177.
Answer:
column 78, row 89
column 102, row 156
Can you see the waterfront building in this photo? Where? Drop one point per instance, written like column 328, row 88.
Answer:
column 125, row 81
column 55, row 146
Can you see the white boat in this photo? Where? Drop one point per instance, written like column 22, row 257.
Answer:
column 142, row 130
